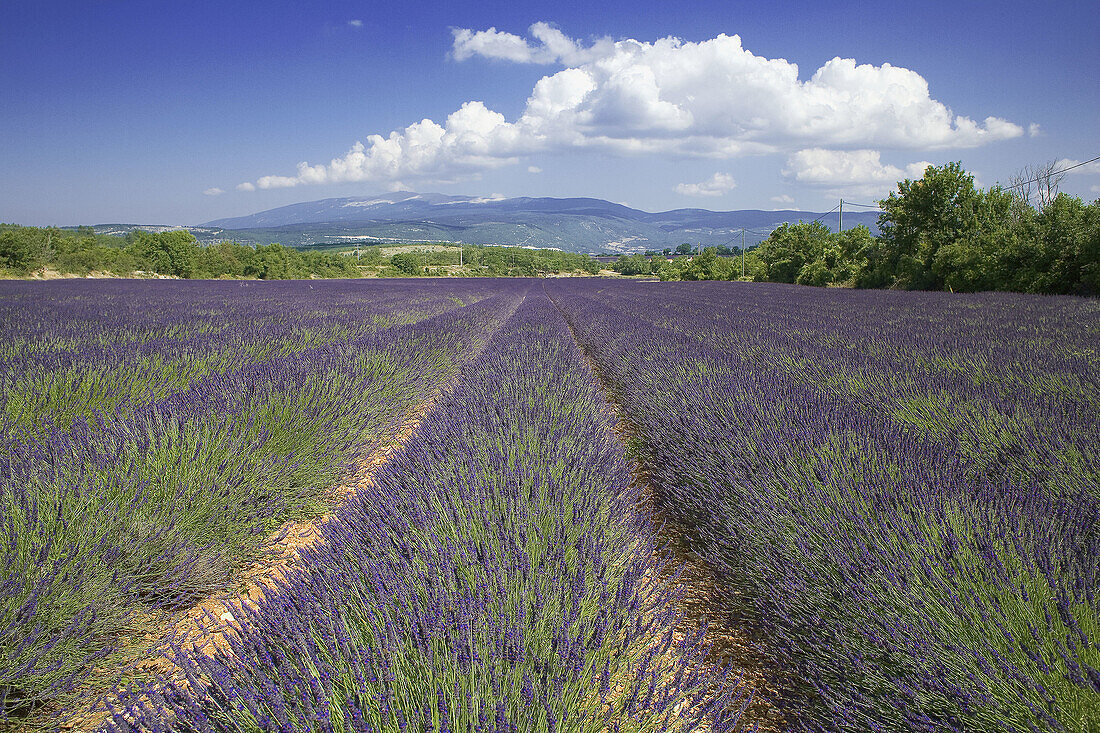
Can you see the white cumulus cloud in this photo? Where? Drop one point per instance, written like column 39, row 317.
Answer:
column 534, row 169
column 782, row 199
column 356, row 23
column 215, row 191
column 668, row 97
column 246, row 186
column 852, row 171
column 716, row 185
column 471, row 139
column 721, row 98
column 553, row 46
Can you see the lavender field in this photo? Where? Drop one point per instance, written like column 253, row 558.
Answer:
column 895, row 498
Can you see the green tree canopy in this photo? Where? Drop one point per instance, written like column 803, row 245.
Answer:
column 407, row 263
column 923, row 216
column 635, row 264
column 169, row 253
column 21, row 249
column 789, row 248
column 708, row 266
column 274, row 262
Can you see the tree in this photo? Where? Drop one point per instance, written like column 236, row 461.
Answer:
column 852, row 250
column 810, row 254
column 708, row 266
column 1041, row 181
column 408, row 263
column 665, row 270
column 789, row 248
column 684, row 249
column 1069, row 232
column 468, row 256
column 322, row 264
column 224, row 258
column 918, row 220
column 988, row 254
column 754, row 266
column 19, row 249
column 633, row 265
column 493, row 260
column 168, row 253
column 275, row 262
column 366, row 256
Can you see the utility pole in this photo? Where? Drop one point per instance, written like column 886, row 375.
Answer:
column 460, row 255
column 742, row 251
column 841, row 227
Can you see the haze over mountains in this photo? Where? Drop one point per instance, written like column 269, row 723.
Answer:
column 570, row 224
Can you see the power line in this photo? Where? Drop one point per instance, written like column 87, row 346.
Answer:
column 747, row 230
column 1055, row 173
column 1014, row 185
column 1078, row 165
column 826, row 213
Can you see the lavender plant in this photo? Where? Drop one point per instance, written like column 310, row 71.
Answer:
column 495, row 576
column 71, row 350
column 899, row 491
column 143, row 499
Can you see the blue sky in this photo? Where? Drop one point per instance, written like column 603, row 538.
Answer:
column 178, row 113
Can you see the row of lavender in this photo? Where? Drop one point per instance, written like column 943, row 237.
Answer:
column 493, row 578
column 74, row 348
column 900, row 492
column 118, row 504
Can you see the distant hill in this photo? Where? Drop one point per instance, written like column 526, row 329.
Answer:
column 570, row 224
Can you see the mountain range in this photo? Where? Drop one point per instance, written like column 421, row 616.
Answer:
column 570, row 224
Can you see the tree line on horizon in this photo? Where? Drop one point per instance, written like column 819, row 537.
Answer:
column 942, row 233
column 478, row 259
column 26, row 250
column 939, row 232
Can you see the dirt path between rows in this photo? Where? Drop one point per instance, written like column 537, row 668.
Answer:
column 699, row 600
